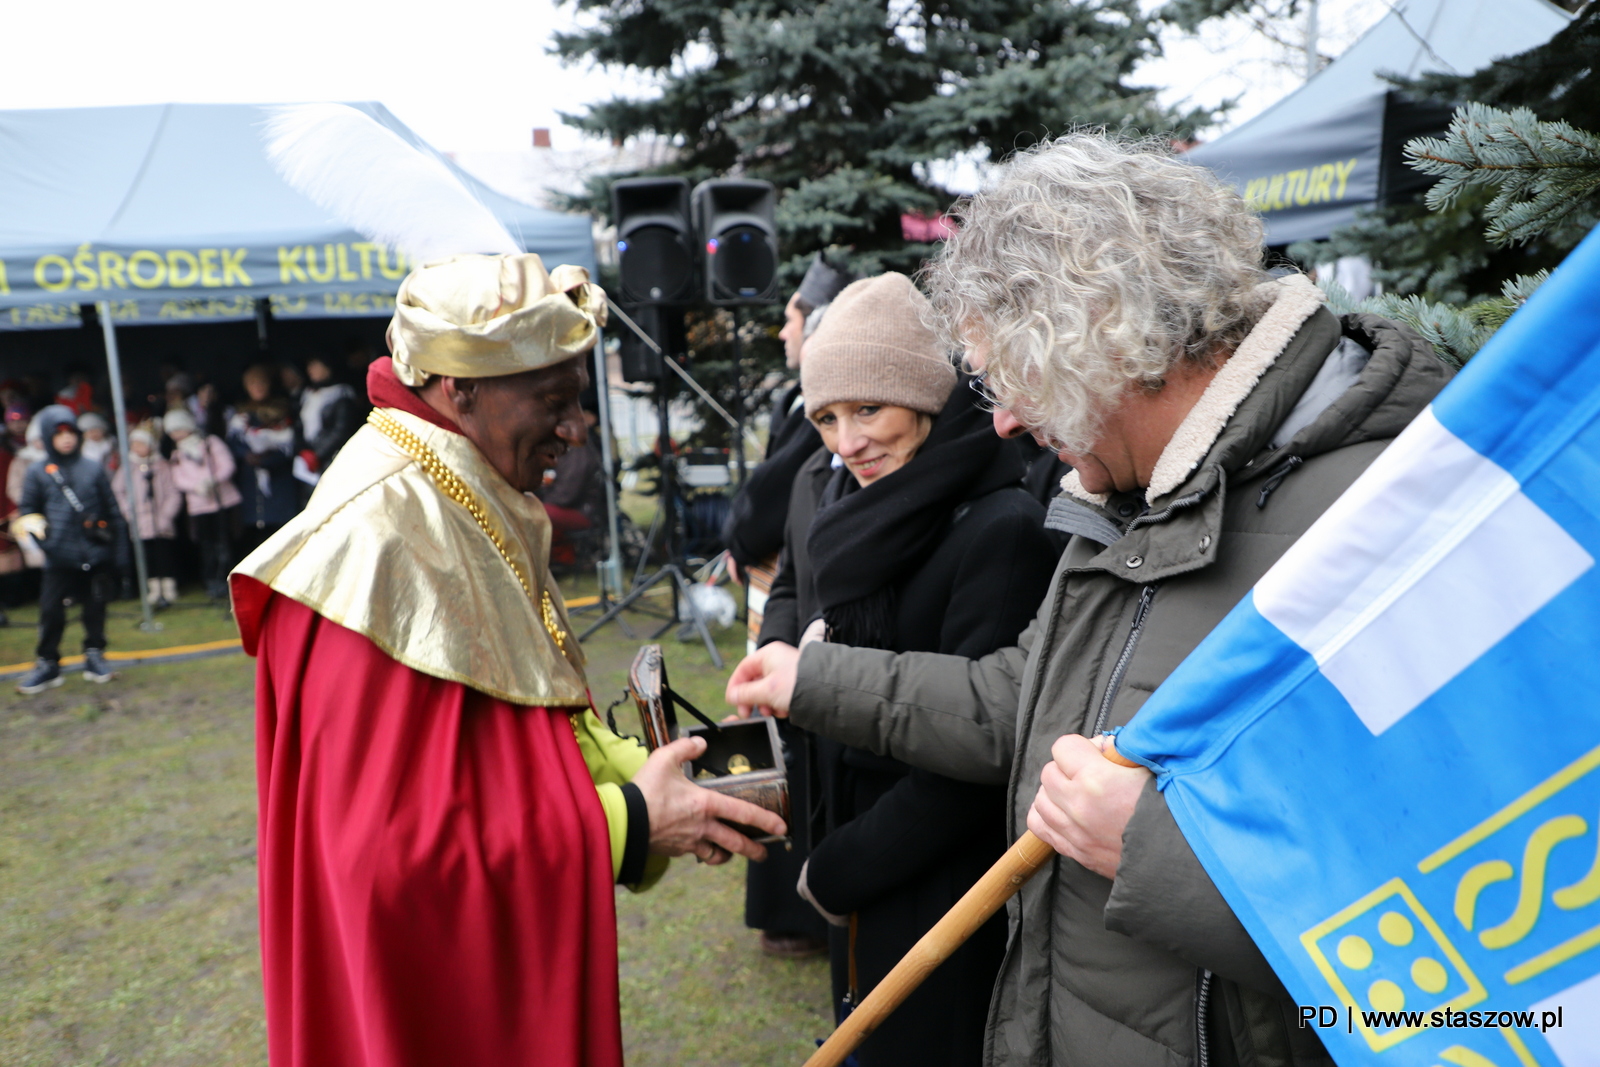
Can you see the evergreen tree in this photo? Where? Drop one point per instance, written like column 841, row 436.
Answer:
column 843, row 104
column 1189, row 14
column 1546, row 174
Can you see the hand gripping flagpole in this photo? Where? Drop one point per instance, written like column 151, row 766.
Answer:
column 998, row 885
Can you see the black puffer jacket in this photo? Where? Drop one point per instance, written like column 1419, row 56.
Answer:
column 69, row 544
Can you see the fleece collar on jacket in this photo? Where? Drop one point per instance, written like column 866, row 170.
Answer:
column 1295, row 299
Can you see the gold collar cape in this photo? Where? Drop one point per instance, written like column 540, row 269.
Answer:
column 394, row 551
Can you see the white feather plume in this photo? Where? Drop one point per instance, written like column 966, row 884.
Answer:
column 369, row 178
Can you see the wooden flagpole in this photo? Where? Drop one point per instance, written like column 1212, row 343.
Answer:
column 998, row 885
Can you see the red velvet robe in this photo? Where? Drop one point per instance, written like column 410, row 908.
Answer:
column 436, row 879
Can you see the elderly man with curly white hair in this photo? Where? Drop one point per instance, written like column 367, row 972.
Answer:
column 1115, row 301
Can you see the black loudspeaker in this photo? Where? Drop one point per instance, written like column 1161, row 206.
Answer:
column 655, row 243
column 639, row 361
column 734, row 219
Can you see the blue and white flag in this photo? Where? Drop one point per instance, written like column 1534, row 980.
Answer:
column 1388, row 755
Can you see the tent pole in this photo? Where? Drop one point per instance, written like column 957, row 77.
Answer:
column 611, row 569
column 1312, row 33
column 738, row 397
column 120, row 410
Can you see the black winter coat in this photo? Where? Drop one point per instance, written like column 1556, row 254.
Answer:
column 280, row 502
column 900, row 846
column 68, row 544
column 770, row 901
column 341, row 418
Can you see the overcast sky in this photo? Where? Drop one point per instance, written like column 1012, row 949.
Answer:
column 467, row 76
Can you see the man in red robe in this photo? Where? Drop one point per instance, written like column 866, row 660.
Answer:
column 442, row 816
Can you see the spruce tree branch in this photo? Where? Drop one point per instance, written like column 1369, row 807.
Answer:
column 1544, row 173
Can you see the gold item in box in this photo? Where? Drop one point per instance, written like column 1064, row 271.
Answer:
column 743, row 758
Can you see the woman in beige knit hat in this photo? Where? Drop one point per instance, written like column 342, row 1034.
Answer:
column 907, row 531
column 875, row 376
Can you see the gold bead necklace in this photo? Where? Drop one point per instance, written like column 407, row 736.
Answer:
column 453, row 487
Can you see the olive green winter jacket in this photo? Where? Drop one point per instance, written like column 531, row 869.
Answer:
column 1152, row 968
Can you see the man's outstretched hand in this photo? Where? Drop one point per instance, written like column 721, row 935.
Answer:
column 763, row 683
column 687, row 818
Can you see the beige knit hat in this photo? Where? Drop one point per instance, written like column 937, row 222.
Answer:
column 874, row 347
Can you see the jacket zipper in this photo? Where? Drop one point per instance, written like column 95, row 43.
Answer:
column 1150, row 518
column 1146, row 595
column 1275, row 479
column 1202, row 1000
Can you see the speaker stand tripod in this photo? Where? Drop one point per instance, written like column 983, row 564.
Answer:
column 681, row 598
column 680, row 586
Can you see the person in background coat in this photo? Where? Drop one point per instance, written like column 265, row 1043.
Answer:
column 329, row 412
column 923, row 540
column 152, row 515
column 755, row 524
column 13, row 565
column 98, row 442
column 25, row 454
column 202, row 469
column 574, row 494
column 753, row 534
column 262, row 435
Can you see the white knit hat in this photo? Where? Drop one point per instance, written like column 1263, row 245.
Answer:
column 177, row 419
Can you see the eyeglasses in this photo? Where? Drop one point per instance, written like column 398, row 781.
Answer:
column 979, row 383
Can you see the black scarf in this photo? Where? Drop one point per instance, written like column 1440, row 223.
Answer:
column 866, row 539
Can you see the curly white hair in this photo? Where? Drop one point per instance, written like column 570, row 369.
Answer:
column 1089, row 266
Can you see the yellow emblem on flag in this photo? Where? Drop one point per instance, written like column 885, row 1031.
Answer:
column 1385, row 953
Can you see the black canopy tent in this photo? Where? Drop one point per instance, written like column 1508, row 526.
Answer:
column 1334, row 146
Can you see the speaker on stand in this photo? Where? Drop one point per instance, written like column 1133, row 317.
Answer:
column 734, row 218
column 656, row 265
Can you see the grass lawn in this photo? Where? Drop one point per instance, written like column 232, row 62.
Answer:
column 127, row 873
column 192, row 621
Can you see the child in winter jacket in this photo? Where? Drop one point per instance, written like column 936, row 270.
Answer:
column 262, row 436
column 152, row 515
column 68, row 507
column 202, row 469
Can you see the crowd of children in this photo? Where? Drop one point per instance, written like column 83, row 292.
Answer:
column 205, row 482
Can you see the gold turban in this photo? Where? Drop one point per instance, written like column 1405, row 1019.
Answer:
column 488, row 316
